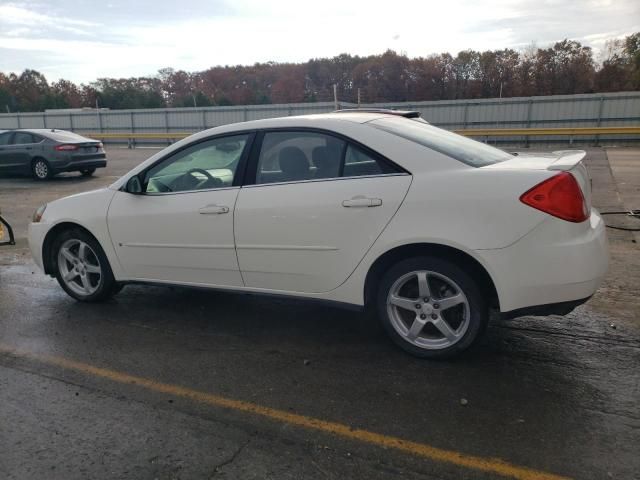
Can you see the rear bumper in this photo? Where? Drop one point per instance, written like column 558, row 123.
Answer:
column 81, row 165
column 553, row 268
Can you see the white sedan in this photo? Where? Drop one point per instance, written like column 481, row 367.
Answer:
column 377, row 209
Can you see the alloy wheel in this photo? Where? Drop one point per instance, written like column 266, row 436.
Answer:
column 428, row 309
column 41, row 169
column 79, row 267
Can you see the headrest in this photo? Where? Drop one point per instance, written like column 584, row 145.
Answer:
column 293, row 161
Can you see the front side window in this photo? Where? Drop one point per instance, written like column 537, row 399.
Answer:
column 22, row 138
column 463, row 149
column 206, row 165
column 4, row 138
column 298, row 156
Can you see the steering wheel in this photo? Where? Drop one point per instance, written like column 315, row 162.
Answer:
column 188, row 181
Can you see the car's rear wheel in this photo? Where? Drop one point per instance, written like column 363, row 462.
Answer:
column 41, row 169
column 82, row 268
column 88, row 172
column 430, row 307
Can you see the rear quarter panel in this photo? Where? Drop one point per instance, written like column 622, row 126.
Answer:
column 469, row 209
column 475, row 208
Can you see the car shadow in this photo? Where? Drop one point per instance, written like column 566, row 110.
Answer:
column 66, row 177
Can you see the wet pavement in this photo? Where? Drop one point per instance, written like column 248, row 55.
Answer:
column 557, row 395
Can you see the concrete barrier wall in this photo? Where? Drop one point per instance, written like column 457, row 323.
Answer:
column 586, row 110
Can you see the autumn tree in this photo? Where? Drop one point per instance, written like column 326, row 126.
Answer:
column 565, row 68
column 31, row 90
column 67, row 93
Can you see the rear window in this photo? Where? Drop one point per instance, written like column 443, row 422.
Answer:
column 471, row 152
column 64, row 136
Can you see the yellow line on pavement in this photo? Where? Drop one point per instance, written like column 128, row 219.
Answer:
column 491, row 465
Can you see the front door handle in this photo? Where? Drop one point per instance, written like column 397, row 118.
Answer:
column 213, row 210
column 361, row 201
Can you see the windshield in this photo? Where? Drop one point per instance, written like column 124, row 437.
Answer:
column 471, row 152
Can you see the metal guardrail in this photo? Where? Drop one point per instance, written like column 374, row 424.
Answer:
column 514, row 132
column 138, row 136
column 472, row 132
column 132, row 137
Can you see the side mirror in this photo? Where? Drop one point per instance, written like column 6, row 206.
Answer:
column 134, row 186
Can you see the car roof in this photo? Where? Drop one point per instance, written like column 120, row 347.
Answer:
column 318, row 120
column 54, row 134
column 350, row 115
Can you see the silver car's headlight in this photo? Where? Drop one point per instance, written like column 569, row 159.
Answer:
column 37, row 215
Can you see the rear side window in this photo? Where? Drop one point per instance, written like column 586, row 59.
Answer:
column 22, row 138
column 297, row 156
column 4, row 138
column 301, row 155
column 471, row 152
column 359, row 163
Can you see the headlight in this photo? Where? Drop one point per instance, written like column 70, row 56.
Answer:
column 37, row 215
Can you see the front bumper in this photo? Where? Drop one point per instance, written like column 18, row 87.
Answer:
column 552, row 269
column 36, row 235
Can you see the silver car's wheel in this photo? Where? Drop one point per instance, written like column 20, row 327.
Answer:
column 41, row 169
column 428, row 309
column 79, row 267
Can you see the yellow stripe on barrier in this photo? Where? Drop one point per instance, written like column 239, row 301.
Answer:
column 138, row 136
column 469, row 132
column 508, row 132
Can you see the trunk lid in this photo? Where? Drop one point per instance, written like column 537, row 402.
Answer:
column 87, row 147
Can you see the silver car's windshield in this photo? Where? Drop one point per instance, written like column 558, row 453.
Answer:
column 471, row 152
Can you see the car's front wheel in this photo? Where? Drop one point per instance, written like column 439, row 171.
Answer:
column 41, row 169
column 430, row 307
column 82, row 268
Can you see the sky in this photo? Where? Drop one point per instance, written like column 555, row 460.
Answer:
column 82, row 40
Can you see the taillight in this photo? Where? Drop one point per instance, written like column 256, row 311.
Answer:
column 559, row 196
column 66, row 148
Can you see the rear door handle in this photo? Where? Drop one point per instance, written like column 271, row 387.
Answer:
column 361, row 201
column 213, row 210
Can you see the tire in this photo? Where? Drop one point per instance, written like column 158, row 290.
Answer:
column 88, row 172
column 40, row 169
column 81, row 267
column 415, row 316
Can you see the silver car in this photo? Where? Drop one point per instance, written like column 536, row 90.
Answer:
column 46, row 152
